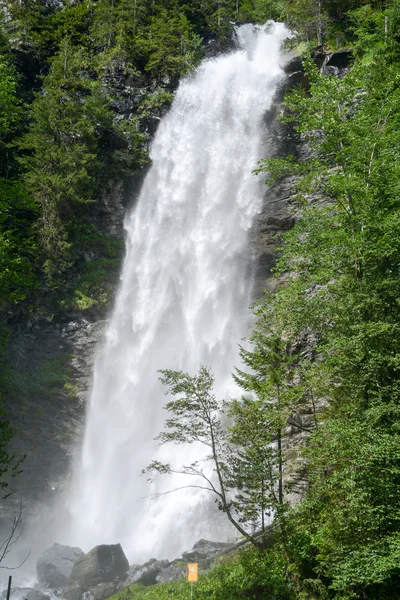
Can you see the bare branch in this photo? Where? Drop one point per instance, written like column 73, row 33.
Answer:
column 182, row 487
column 11, row 539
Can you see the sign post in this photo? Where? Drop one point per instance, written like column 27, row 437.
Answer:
column 192, row 576
column 9, row 587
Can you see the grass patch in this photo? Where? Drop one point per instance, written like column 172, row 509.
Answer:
column 249, row 574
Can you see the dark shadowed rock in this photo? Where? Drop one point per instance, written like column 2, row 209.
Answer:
column 103, row 564
column 55, row 565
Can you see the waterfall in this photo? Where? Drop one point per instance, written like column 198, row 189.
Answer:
column 183, row 299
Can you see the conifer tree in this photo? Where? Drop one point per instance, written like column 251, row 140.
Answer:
column 69, row 117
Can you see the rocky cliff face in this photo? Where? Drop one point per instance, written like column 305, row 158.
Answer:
column 277, row 214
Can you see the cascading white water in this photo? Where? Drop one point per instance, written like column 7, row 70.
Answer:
column 183, row 298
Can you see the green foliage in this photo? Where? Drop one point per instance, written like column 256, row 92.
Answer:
column 125, row 148
column 48, row 378
column 69, row 117
column 260, row 419
column 263, row 10
column 72, row 23
column 97, row 276
column 247, row 456
column 250, row 574
column 95, row 286
column 342, row 264
column 159, row 99
column 170, row 46
column 28, row 26
column 195, row 416
column 18, row 243
column 10, row 114
column 330, row 23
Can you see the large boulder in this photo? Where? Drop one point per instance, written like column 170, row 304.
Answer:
column 204, row 552
column 103, row 564
column 73, row 592
column 146, row 574
column 171, row 573
column 55, row 565
column 103, row 591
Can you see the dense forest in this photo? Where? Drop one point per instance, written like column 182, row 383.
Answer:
column 325, row 342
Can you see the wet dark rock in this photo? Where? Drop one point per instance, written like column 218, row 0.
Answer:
column 341, row 59
column 336, row 63
column 55, row 565
column 295, row 75
column 103, row 564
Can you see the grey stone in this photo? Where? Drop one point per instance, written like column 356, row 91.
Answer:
column 54, row 566
column 18, row 593
column 204, row 552
column 103, row 564
column 102, row 591
column 72, row 592
column 146, row 574
column 37, row 595
column 171, row 573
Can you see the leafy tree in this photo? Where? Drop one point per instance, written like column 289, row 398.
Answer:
column 278, row 387
column 248, row 455
column 195, row 417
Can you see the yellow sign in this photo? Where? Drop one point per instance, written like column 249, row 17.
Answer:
column 192, row 572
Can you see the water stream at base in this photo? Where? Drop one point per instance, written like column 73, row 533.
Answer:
column 183, row 300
